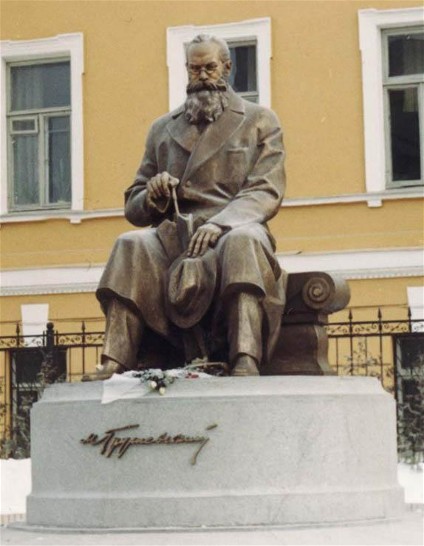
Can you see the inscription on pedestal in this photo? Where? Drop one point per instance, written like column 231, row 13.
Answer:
column 112, row 443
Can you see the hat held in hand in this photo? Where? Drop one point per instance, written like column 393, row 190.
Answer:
column 191, row 287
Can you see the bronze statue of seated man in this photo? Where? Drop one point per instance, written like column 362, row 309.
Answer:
column 201, row 279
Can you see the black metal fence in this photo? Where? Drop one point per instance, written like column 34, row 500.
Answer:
column 391, row 350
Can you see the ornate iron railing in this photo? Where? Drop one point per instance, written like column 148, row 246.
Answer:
column 373, row 347
column 391, row 350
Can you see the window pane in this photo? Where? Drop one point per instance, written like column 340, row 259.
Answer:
column 25, row 169
column 252, row 98
column 27, row 363
column 410, row 351
column 59, row 159
column 23, row 125
column 406, row 54
column 405, row 134
column 41, row 86
column 243, row 73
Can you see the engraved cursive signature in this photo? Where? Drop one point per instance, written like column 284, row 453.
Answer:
column 120, row 444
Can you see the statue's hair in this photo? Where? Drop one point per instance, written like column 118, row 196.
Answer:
column 204, row 38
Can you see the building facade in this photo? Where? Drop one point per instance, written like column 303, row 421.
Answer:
column 82, row 82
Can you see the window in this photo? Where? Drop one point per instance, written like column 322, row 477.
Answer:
column 250, row 47
column 243, row 78
column 404, row 106
column 41, row 125
column 391, row 43
column 39, row 112
column 409, row 354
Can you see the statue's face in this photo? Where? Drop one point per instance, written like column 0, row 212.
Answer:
column 204, row 63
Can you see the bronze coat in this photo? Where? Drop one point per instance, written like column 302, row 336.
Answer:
column 231, row 174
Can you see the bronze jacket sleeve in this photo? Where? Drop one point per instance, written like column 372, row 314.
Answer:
column 137, row 211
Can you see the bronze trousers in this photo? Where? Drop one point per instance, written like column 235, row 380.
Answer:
column 124, row 330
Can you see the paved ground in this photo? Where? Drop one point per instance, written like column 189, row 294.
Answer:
column 407, row 531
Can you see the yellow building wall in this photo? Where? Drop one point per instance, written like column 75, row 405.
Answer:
column 316, row 91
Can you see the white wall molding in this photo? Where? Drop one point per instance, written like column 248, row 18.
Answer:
column 50, row 280
column 360, row 264
column 71, row 45
column 76, row 217
column 377, row 198
column 177, row 37
column 371, row 23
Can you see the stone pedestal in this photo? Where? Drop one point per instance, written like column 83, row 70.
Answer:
column 276, row 451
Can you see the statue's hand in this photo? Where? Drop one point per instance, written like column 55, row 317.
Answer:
column 159, row 187
column 205, row 236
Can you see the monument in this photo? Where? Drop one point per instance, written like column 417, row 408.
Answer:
column 204, row 278
column 203, row 282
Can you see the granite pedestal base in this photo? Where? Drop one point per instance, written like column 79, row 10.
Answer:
column 273, row 451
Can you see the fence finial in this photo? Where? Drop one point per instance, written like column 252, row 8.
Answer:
column 409, row 319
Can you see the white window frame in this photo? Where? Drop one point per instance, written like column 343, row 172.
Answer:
column 401, row 82
column 415, row 296
column 371, row 24
column 63, row 45
column 41, row 116
column 247, row 95
column 258, row 30
column 35, row 316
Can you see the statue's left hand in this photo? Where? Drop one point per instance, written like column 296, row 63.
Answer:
column 205, row 236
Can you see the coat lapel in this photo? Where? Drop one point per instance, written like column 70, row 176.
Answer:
column 216, row 134
column 213, row 137
column 182, row 132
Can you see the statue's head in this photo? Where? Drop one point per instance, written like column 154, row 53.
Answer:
column 208, row 66
column 208, row 62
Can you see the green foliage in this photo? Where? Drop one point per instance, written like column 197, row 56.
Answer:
column 411, row 418
column 16, row 440
column 362, row 362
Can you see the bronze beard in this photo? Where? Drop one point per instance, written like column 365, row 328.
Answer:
column 205, row 101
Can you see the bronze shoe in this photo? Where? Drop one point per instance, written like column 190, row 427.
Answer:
column 245, row 365
column 104, row 371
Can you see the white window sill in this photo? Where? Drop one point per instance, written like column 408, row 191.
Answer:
column 373, row 199
column 74, row 216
